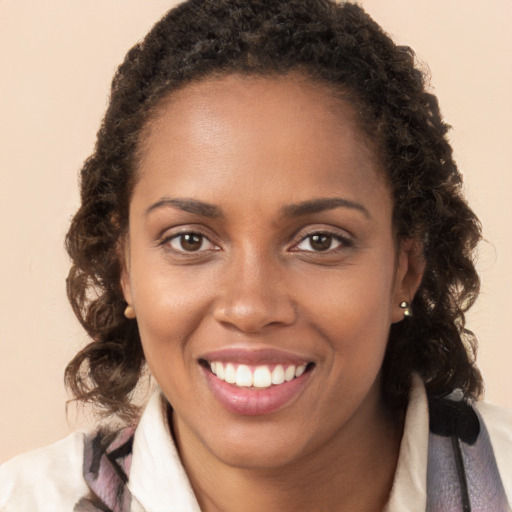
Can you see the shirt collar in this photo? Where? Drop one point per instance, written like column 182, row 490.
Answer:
column 157, row 478
column 409, row 491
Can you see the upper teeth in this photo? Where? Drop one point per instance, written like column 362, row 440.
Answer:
column 257, row 376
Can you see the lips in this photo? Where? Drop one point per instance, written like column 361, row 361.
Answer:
column 255, row 382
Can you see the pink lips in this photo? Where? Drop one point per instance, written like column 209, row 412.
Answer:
column 254, row 357
column 253, row 401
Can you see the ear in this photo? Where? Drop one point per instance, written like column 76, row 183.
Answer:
column 409, row 273
column 123, row 252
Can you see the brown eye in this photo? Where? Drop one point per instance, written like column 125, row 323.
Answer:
column 321, row 242
column 190, row 242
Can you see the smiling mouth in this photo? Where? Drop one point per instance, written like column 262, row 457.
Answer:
column 256, row 376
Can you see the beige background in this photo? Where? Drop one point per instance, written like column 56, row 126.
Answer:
column 56, row 61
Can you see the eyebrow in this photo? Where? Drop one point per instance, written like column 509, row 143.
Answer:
column 323, row 204
column 188, row 205
column 293, row 210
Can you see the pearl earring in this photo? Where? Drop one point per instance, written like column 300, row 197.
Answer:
column 407, row 310
column 129, row 312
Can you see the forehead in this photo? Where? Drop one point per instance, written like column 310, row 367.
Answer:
column 278, row 101
column 250, row 131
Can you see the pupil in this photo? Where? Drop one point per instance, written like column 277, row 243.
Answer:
column 191, row 242
column 321, row 242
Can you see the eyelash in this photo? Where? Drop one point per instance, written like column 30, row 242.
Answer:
column 343, row 242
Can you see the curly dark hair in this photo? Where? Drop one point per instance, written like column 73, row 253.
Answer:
column 336, row 44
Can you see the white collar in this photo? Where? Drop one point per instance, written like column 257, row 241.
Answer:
column 409, row 491
column 157, row 477
column 159, row 482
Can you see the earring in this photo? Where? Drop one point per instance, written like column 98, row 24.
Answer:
column 129, row 312
column 407, row 310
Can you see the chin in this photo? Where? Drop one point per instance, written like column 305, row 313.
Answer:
column 270, row 455
column 261, row 444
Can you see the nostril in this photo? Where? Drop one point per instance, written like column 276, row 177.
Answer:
column 253, row 314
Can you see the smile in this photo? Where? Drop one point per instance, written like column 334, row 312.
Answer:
column 256, row 382
column 261, row 376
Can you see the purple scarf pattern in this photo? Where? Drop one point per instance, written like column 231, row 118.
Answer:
column 107, row 462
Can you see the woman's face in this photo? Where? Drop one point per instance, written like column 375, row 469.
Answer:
column 262, row 267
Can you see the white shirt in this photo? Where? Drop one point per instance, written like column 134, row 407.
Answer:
column 51, row 479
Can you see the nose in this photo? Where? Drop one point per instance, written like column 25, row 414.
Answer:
column 252, row 296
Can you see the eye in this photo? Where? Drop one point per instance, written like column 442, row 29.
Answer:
column 321, row 242
column 190, row 242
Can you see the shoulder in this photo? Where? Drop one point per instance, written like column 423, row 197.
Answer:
column 498, row 422
column 51, row 475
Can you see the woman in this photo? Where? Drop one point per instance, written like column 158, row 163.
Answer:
column 272, row 224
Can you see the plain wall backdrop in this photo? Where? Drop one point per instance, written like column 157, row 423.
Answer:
column 57, row 58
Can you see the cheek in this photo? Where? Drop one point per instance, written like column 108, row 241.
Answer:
column 352, row 309
column 170, row 306
column 168, row 320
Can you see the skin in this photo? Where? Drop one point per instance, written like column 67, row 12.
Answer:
column 251, row 147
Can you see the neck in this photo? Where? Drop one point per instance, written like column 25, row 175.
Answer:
column 353, row 471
